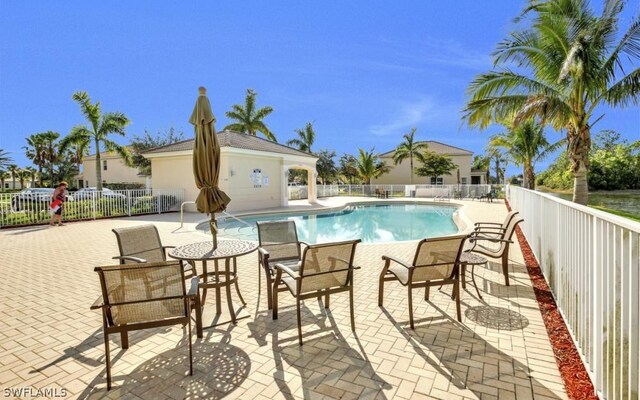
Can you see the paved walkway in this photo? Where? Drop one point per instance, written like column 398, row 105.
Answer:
column 49, row 339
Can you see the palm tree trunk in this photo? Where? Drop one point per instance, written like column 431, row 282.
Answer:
column 98, row 167
column 411, row 166
column 578, row 151
column 13, row 178
column 529, row 177
column 40, row 174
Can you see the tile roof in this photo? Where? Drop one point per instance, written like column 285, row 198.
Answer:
column 236, row 140
column 437, row 147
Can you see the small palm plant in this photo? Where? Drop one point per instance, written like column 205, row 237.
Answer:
column 305, row 138
column 369, row 166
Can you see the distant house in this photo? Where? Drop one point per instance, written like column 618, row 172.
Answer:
column 253, row 171
column 114, row 170
column 401, row 174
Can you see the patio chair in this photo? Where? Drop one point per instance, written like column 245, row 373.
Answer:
column 501, row 238
column 495, row 228
column 436, row 263
column 278, row 243
column 142, row 296
column 325, row 269
column 141, row 244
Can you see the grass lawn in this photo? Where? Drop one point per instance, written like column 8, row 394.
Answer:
column 634, row 217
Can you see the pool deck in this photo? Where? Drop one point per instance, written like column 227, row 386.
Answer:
column 50, row 339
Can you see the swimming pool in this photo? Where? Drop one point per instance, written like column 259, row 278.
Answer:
column 373, row 223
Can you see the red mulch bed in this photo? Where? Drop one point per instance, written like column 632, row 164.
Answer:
column 575, row 376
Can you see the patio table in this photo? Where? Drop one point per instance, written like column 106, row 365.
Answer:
column 467, row 258
column 227, row 250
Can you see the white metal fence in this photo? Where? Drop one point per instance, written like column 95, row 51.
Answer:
column 591, row 261
column 461, row 191
column 31, row 206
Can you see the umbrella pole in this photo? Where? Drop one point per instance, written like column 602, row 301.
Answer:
column 213, row 225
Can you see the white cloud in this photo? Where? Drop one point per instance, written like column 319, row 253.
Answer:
column 407, row 116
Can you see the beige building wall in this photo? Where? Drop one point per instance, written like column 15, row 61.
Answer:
column 247, row 189
column 400, row 174
column 117, row 171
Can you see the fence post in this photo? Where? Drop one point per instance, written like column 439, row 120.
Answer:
column 159, row 203
column 93, row 203
column 129, row 202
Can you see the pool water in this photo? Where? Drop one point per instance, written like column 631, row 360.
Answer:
column 372, row 223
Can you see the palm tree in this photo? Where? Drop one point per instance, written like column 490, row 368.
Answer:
column 13, row 170
column 101, row 126
column 50, row 148
column 305, row 138
column 408, row 148
column 3, row 177
column 482, row 163
column 31, row 173
column 569, row 63
column 78, row 151
column 524, row 145
column 23, row 175
column 369, row 165
column 36, row 152
column 5, row 159
column 248, row 119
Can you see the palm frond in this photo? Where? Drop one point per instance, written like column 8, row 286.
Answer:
column 122, row 151
column 624, row 92
column 236, row 127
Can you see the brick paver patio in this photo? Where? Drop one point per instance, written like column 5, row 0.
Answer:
column 49, row 339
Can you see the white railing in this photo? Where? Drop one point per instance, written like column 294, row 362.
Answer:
column 31, row 207
column 591, row 260
column 460, row 191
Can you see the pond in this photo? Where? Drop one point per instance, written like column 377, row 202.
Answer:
column 622, row 200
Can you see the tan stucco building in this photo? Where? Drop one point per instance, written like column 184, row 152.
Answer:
column 401, row 174
column 114, row 170
column 253, row 171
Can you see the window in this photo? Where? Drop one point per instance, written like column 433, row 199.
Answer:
column 86, row 183
column 437, row 181
column 104, row 165
column 463, row 180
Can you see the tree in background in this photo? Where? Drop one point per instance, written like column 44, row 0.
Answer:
column 248, row 119
column 13, row 171
column 369, row 165
column 5, row 159
column 305, row 138
column 434, row 165
column 36, row 152
column 569, row 61
column 147, row 141
column 524, row 145
column 496, row 156
column 32, row 173
column 482, row 163
column 78, row 151
column 23, row 175
column 348, row 167
column 98, row 131
column 51, row 148
column 4, row 175
column 325, row 166
column 408, row 149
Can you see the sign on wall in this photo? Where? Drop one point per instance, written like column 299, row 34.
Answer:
column 256, row 177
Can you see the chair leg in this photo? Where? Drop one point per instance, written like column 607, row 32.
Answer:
column 353, row 321
column 274, row 303
column 426, row 292
column 190, row 351
column 457, row 291
column 198, row 308
column 270, row 289
column 108, row 357
column 505, row 266
column 299, row 320
column 235, row 274
column 326, row 301
column 124, row 339
column 380, row 292
column 409, row 296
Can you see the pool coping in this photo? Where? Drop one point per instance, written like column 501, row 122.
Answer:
column 464, row 224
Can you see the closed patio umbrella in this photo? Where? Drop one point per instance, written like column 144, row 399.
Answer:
column 206, row 163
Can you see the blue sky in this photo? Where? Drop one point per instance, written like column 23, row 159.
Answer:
column 365, row 72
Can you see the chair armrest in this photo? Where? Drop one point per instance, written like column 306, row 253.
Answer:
column 388, row 258
column 193, row 289
column 130, row 258
column 97, row 304
column 263, row 252
column 288, row 270
column 477, row 238
column 488, row 223
column 304, row 243
column 168, row 247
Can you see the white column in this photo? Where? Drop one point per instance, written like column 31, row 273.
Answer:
column 284, row 187
column 311, row 182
